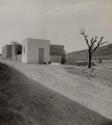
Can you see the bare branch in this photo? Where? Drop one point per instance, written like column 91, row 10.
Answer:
column 103, row 43
column 95, row 40
column 98, row 44
column 101, row 40
column 85, row 36
column 92, row 40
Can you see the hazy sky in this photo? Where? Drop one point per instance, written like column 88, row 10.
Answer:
column 57, row 20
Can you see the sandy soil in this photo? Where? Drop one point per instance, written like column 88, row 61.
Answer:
column 100, row 73
column 26, row 102
column 91, row 93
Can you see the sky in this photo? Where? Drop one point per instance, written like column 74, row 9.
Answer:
column 57, row 20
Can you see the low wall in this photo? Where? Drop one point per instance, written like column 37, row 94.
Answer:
column 55, row 58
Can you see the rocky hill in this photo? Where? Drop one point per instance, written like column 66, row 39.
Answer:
column 104, row 52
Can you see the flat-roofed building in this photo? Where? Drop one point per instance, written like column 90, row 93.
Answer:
column 57, row 53
column 35, row 51
column 12, row 52
column 7, row 52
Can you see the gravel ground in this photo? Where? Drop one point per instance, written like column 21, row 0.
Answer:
column 99, row 73
column 24, row 101
column 91, row 93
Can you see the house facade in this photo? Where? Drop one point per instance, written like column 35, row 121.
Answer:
column 57, row 53
column 6, row 52
column 12, row 52
column 35, row 51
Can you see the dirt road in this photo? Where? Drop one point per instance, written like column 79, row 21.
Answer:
column 90, row 93
column 26, row 102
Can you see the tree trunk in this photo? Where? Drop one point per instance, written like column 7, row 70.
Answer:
column 90, row 58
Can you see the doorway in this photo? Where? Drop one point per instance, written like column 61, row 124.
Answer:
column 41, row 55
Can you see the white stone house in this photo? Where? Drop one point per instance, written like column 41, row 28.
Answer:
column 35, row 51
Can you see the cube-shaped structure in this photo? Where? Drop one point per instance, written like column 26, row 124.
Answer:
column 7, row 52
column 35, row 51
column 57, row 53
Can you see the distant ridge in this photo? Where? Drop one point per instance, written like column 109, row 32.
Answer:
column 104, row 52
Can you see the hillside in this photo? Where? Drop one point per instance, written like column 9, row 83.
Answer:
column 104, row 52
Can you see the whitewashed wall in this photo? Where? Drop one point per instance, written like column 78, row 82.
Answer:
column 32, row 50
column 24, row 55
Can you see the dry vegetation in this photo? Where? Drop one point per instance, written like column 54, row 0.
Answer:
column 99, row 73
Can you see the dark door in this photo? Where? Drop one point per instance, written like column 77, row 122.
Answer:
column 41, row 55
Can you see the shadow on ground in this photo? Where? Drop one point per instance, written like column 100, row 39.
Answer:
column 26, row 102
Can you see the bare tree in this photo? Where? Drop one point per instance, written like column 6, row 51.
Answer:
column 93, row 44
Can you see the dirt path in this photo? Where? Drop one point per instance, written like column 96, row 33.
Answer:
column 26, row 102
column 90, row 93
